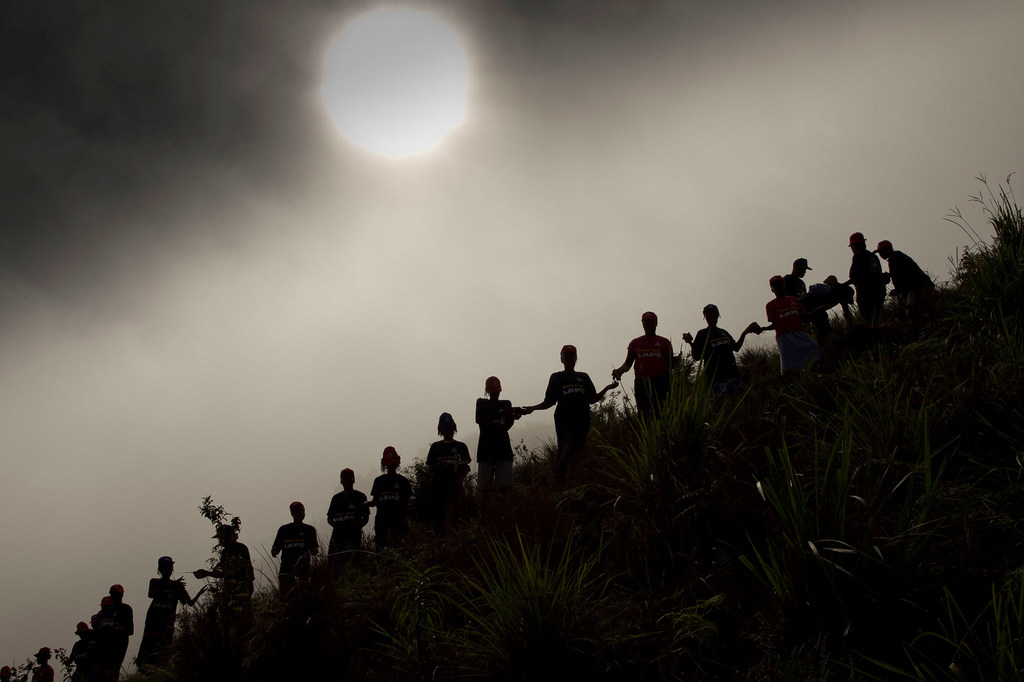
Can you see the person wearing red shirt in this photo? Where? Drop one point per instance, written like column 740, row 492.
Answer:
column 797, row 348
column 651, row 358
column 43, row 672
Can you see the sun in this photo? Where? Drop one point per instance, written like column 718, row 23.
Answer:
column 396, row 81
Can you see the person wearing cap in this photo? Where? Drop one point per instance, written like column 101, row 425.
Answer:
column 797, row 349
column 105, row 626
column 573, row 393
column 5, row 674
column 868, row 279
column 448, row 462
column 390, row 494
column 651, row 357
column 296, row 542
column 43, row 672
column 716, row 348
column 908, row 281
column 794, row 281
column 347, row 515
column 83, row 653
column 494, row 449
column 125, row 626
column 234, row 570
column 158, row 632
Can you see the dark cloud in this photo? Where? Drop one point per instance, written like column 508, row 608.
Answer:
column 107, row 108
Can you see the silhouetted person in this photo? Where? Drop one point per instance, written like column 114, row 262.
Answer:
column 573, row 392
column 238, row 580
column 83, row 654
column 794, row 281
column 390, row 494
column 494, row 449
column 448, row 462
column 125, row 626
column 908, row 281
column 5, row 673
column 797, row 349
column 651, row 357
column 867, row 278
column 716, row 348
column 163, row 610
column 42, row 672
column 106, row 626
column 821, row 298
column 347, row 515
column 296, row 542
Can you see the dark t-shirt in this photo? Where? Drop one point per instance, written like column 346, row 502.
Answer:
column 794, row 285
column 295, row 541
column 866, row 272
column 714, row 347
column 348, row 511
column 445, row 459
column 906, row 274
column 236, row 565
column 494, row 444
column 391, row 492
column 573, row 393
column 166, row 595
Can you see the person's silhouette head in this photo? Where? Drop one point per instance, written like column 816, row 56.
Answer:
column 884, row 249
column 446, row 427
column 778, row 285
column 857, row 242
column 711, row 314
column 165, row 566
column 390, row 459
column 568, row 356
column 650, row 323
column 348, row 479
column 298, row 511
column 117, row 593
column 800, row 267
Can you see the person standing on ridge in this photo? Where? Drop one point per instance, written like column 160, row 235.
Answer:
column 653, row 359
column 43, row 672
column 716, row 348
column 868, row 279
column 797, row 349
column 125, row 618
column 820, row 298
column 794, row 281
column 908, row 281
column 390, row 494
column 296, row 542
column 83, row 654
column 238, row 580
column 158, row 632
column 573, row 392
column 347, row 515
column 494, row 449
column 448, row 461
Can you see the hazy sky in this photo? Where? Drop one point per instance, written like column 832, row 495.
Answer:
column 207, row 290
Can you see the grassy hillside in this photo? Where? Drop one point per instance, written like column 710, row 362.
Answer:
column 858, row 522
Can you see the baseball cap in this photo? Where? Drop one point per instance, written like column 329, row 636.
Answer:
column 801, row 263
column 884, row 245
column 857, row 238
column 390, row 456
column 81, row 627
column 164, row 560
column 117, row 588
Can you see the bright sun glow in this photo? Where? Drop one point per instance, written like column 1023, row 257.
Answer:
column 395, row 81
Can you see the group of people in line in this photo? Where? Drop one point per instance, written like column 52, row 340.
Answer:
column 103, row 643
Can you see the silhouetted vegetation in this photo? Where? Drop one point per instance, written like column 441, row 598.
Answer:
column 858, row 522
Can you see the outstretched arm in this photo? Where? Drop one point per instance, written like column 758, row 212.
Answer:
column 627, row 363
column 539, row 406
column 753, row 327
column 600, row 394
